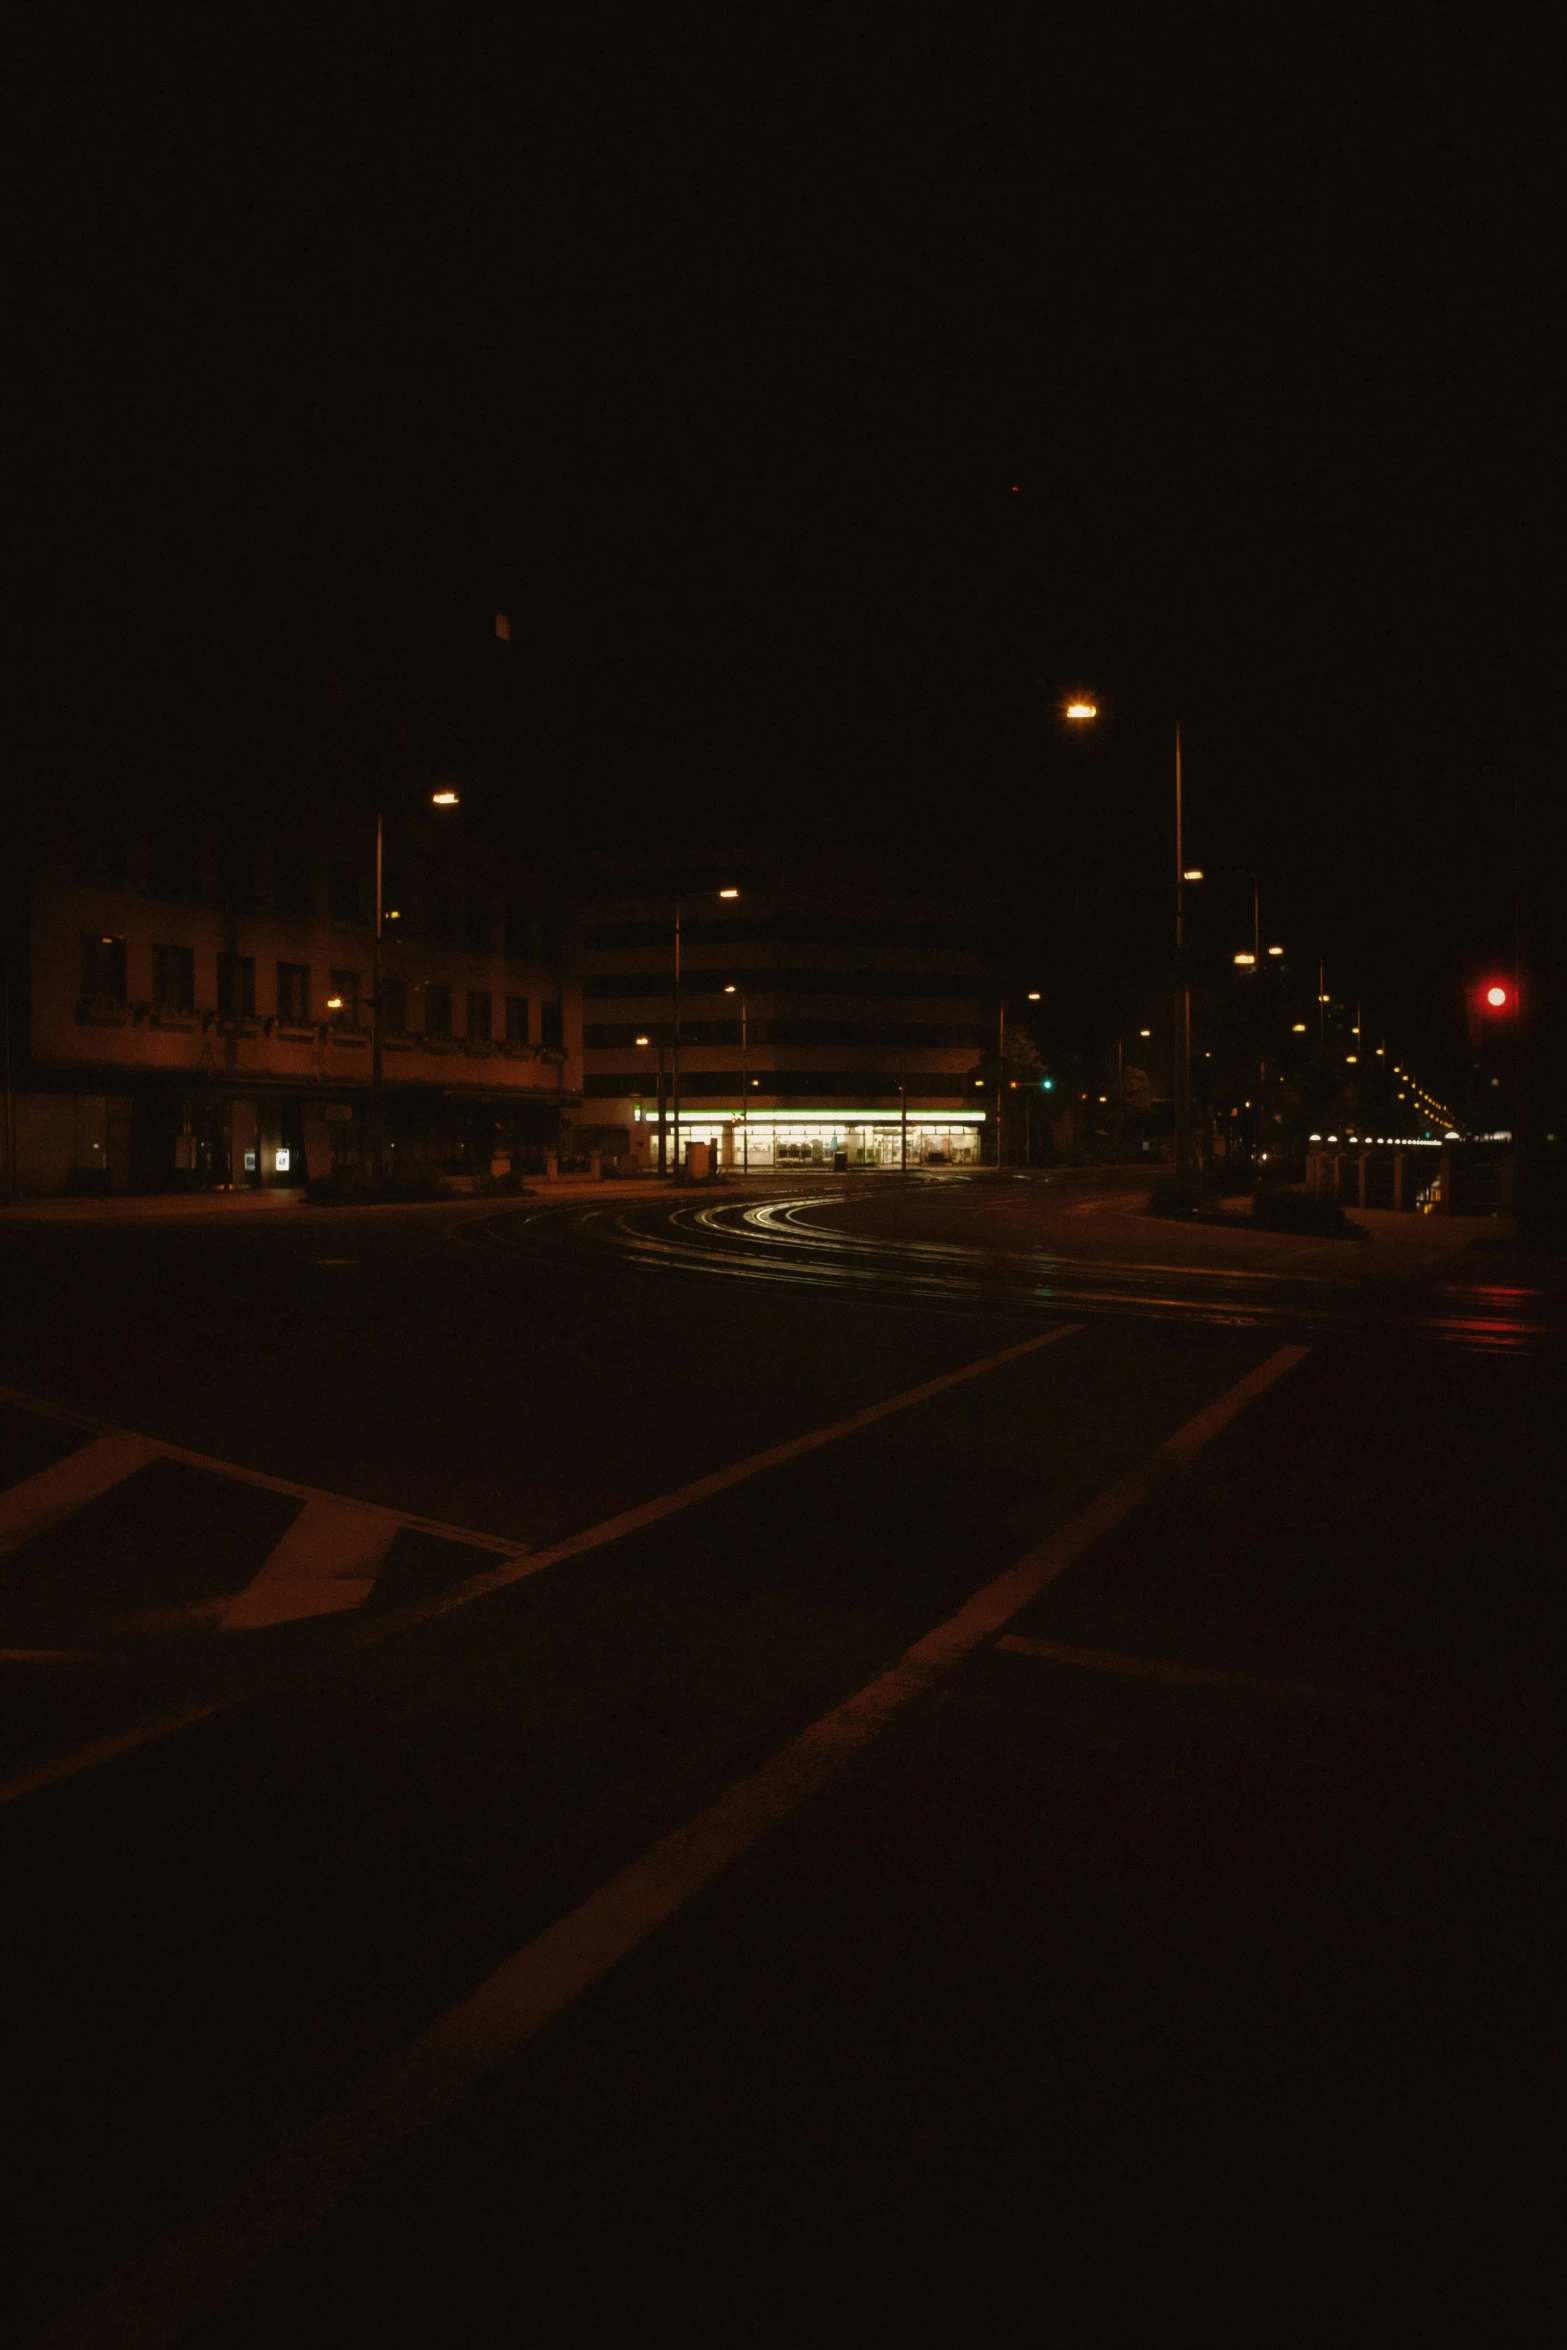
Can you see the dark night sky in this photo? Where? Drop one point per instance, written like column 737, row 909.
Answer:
column 709, row 343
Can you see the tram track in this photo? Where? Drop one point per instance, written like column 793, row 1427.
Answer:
column 783, row 1239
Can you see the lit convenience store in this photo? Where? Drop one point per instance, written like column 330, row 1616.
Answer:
column 821, row 1138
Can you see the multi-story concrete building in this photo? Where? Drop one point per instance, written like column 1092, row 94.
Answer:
column 835, row 1004
column 190, row 995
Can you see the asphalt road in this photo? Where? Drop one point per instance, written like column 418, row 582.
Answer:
column 832, row 1764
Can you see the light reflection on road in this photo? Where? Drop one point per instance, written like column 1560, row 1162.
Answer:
column 785, row 1240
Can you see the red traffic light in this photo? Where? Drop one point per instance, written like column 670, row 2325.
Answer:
column 1497, row 996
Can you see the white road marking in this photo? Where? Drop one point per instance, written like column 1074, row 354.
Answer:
column 647, row 1513
column 520, row 1561
column 1153, row 1668
column 26, row 1509
column 35, row 1775
column 179, row 2280
column 326, row 1562
column 156, row 1449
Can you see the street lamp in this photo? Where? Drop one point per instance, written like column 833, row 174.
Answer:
column 439, row 799
column 745, row 1084
column 663, row 1145
column 1085, row 709
column 675, row 1073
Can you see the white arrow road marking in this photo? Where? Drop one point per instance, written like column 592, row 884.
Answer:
column 26, row 1509
column 175, row 2283
column 326, row 1562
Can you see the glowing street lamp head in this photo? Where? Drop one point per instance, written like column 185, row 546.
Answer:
column 1496, row 996
column 1275, row 950
column 1080, row 710
column 641, row 1040
column 1245, row 958
column 1192, row 873
column 1299, row 1028
column 1033, row 995
column 729, row 987
column 443, row 799
column 729, row 893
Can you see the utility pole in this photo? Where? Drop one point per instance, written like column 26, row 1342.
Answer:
column 1001, row 1075
column 903, row 1128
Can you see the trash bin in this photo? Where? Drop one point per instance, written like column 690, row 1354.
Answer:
column 840, row 1162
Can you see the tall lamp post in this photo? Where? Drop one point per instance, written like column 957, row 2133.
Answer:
column 663, row 1148
column 1084, row 711
column 1183, row 997
column 675, row 1073
column 439, row 799
column 745, row 1083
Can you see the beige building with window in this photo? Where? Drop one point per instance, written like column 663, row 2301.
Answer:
column 191, row 996
column 834, row 1003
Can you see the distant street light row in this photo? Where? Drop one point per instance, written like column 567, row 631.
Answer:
column 1495, row 997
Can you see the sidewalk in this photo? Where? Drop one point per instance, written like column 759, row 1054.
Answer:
column 127, row 1207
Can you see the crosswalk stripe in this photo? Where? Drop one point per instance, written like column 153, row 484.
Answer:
column 26, row 1509
column 326, row 1562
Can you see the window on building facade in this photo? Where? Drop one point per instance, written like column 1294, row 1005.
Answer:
column 479, row 1015
column 346, row 892
column 516, row 1019
column 236, row 986
column 345, row 988
column 295, row 890
column 437, row 1011
column 440, row 911
column 478, row 936
column 519, row 934
column 293, row 994
column 103, row 968
column 394, row 1008
column 551, row 1027
column 103, row 838
column 171, row 863
column 236, row 874
column 174, row 978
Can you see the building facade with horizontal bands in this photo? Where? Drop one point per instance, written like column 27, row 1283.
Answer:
column 190, row 996
column 833, row 1003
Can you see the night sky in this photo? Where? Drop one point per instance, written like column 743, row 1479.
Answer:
column 710, row 344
